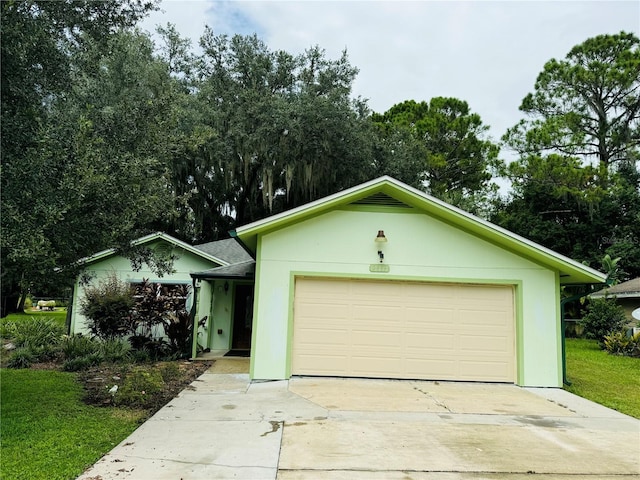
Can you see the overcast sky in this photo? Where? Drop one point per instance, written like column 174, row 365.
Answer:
column 485, row 52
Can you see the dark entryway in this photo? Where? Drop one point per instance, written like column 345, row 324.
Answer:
column 242, row 317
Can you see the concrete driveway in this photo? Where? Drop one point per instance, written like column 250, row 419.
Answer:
column 311, row 428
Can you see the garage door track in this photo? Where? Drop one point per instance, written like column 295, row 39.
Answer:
column 308, row 428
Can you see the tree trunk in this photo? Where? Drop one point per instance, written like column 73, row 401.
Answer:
column 9, row 304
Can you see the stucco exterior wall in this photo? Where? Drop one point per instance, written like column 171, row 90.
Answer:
column 186, row 263
column 419, row 248
column 221, row 312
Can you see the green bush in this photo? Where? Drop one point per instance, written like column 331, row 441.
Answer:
column 115, row 350
column 82, row 363
column 37, row 332
column 75, row 346
column 603, row 317
column 618, row 343
column 139, row 387
column 108, row 307
column 140, row 355
column 155, row 348
column 21, row 358
column 7, row 329
column 39, row 336
column 44, row 353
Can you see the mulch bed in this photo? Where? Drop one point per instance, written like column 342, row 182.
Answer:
column 98, row 380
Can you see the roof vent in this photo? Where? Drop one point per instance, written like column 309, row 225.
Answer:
column 380, row 198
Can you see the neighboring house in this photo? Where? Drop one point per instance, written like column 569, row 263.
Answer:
column 382, row 280
column 627, row 294
column 188, row 259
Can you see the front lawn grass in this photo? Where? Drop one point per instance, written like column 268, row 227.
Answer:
column 610, row 380
column 48, row 432
column 59, row 315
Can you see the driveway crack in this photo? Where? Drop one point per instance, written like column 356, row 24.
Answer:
column 434, row 399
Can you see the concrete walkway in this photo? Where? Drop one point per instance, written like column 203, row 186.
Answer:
column 223, row 426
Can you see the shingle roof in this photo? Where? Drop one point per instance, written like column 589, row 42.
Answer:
column 207, row 253
column 240, row 270
column 228, row 250
column 628, row 289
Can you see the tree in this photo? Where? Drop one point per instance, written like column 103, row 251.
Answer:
column 455, row 158
column 87, row 175
column 558, row 202
column 267, row 131
column 587, row 105
column 36, row 37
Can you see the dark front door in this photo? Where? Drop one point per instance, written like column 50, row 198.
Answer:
column 242, row 317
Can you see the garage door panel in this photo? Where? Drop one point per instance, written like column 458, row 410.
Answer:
column 434, row 369
column 484, row 318
column 484, row 371
column 324, row 310
column 315, row 337
column 383, row 368
column 392, row 329
column 380, row 312
column 435, row 341
column 381, row 290
column 438, row 293
column 320, row 365
column 433, row 315
column 374, row 339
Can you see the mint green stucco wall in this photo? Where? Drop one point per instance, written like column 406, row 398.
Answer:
column 204, row 300
column 186, row 263
column 420, row 248
column 221, row 311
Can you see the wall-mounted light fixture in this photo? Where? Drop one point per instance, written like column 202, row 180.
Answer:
column 226, row 287
column 380, row 239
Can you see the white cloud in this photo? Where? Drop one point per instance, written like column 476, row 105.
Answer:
column 485, row 52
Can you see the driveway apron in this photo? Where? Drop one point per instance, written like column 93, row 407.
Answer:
column 224, row 426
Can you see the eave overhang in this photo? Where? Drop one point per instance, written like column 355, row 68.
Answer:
column 570, row 271
column 151, row 238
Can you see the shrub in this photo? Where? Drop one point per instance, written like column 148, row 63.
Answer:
column 178, row 328
column 37, row 332
column 618, row 343
column 603, row 317
column 139, row 387
column 140, row 355
column 82, row 363
column 7, row 329
column 75, row 346
column 44, row 353
column 108, row 308
column 163, row 305
column 155, row 348
column 21, row 358
column 40, row 336
column 115, row 350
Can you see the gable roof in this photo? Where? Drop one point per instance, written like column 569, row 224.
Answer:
column 628, row 289
column 154, row 237
column 236, row 271
column 228, row 250
column 389, row 192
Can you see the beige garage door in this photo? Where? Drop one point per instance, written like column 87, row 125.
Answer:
column 389, row 329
